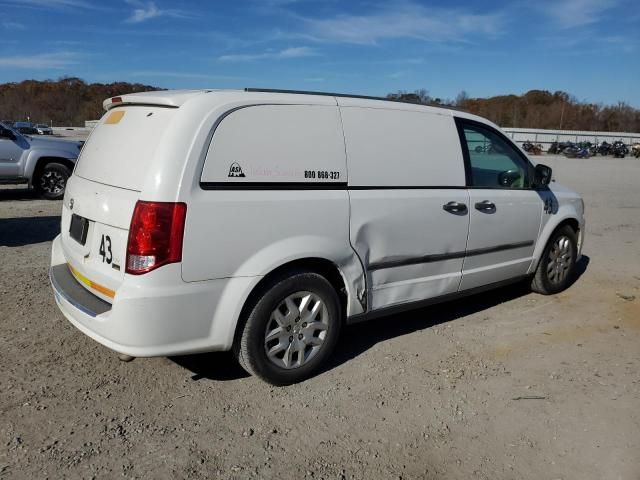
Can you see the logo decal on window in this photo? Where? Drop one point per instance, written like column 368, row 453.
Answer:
column 235, row 170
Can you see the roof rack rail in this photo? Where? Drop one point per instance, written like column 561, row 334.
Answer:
column 344, row 95
column 307, row 92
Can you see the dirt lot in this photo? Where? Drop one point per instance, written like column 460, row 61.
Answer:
column 436, row 393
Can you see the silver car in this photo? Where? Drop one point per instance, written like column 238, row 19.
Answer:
column 43, row 163
column 44, row 129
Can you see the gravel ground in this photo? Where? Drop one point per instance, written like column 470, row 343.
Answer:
column 507, row 384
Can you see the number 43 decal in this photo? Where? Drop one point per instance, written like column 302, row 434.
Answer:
column 105, row 249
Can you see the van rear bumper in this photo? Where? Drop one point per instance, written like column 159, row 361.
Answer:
column 66, row 287
column 152, row 317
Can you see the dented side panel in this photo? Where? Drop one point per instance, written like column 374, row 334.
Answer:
column 399, row 234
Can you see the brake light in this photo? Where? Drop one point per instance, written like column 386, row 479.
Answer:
column 155, row 236
column 116, row 99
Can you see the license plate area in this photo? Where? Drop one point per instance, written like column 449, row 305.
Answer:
column 78, row 229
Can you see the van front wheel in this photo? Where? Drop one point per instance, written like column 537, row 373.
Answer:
column 558, row 263
column 291, row 330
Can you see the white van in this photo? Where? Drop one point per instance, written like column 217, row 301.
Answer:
column 262, row 221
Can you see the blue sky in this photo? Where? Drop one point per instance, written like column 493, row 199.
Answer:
column 588, row 48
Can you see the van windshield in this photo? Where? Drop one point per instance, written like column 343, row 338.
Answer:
column 120, row 149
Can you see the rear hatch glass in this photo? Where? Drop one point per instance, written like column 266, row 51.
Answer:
column 120, row 149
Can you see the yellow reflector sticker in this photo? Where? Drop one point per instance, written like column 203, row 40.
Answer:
column 114, row 117
column 95, row 286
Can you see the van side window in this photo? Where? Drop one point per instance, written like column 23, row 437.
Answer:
column 494, row 162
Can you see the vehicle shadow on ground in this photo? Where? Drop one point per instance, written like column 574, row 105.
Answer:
column 219, row 366
column 17, row 232
column 357, row 339
column 18, row 194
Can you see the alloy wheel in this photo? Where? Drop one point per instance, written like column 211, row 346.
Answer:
column 52, row 182
column 560, row 259
column 296, row 330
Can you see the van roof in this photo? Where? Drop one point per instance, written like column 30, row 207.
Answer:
column 176, row 98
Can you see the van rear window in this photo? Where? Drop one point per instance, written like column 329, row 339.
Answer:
column 120, row 149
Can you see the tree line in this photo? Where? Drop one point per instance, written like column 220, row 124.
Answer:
column 538, row 109
column 70, row 101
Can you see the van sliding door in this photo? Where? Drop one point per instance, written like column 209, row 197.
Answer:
column 409, row 204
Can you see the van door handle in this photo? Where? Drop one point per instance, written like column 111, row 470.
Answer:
column 455, row 207
column 486, row 206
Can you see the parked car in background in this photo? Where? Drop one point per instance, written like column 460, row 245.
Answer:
column 27, row 130
column 43, row 163
column 635, row 150
column 264, row 221
column 44, row 129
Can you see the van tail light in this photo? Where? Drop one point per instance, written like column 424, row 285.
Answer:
column 155, row 236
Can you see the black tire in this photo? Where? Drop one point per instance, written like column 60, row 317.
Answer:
column 543, row 281
column 51, row 181
column 250, row 345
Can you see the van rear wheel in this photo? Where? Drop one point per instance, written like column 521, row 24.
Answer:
column 291, row 329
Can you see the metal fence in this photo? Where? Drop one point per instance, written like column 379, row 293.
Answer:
column 546, row 137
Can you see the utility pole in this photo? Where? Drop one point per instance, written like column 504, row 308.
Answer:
column 561, row 115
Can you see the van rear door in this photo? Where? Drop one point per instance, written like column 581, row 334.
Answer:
column 122, row 146
column 103, row 191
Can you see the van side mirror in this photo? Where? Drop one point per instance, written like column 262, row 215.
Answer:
column 542, row 176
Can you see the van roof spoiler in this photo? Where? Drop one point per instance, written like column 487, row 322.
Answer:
column 159, row 98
